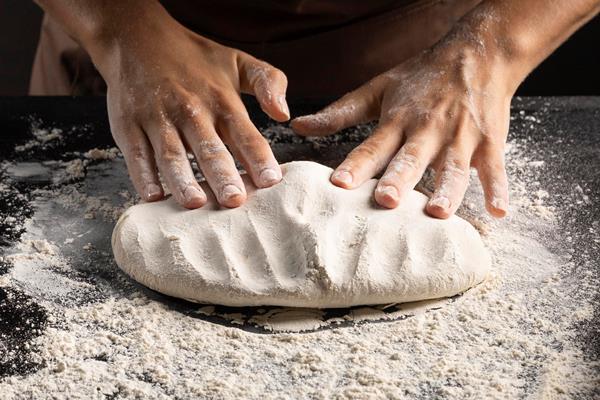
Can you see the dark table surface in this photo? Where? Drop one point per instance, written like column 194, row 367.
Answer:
column 571, row 124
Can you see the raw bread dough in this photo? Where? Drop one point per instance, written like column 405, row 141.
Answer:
column 301, row 243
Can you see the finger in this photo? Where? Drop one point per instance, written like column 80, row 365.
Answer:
column 249, row 147
column 452, row 180
column 139, row 158
column 214, row 160
column 406, row 168
column 174, row 166
column 492, row 174
column 369, row 158
column 354, row 108
column 268, row 84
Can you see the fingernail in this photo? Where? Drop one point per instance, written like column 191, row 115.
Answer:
column 152, row 191
column 499, row 204
column 390, row 192
column 230, row 191
column 269, row 176
column 440, row 202
column 343, row 176
column 191, row 194
column 283, row 105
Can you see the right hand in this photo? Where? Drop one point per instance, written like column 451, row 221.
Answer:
column 170, row 91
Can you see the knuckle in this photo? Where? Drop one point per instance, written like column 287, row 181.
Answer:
column 167, row 92
column 395, row 114
column 135, row 151
column 134, row 147
column 368, row 150
column 258, row 73
column 154, row 113
column 409, row 158
column 170, row 149
column 211, row 149
column 276, row 74
column 186, row 109
column 218, row 93
column 455, row 167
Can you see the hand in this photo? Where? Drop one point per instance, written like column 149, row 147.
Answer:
column 447, row 108
column 170, row 91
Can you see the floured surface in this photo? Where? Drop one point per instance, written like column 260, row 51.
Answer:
column 527, row 332
column 301, row 243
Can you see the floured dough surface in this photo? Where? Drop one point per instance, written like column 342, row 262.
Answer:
column 301, row 243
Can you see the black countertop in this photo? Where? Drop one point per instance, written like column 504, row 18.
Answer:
column 569, row 135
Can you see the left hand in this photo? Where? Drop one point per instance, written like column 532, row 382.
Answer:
column 447, row 108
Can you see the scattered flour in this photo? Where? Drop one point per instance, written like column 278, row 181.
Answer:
column 102, row 154
column 41, row 137
column 512, row 337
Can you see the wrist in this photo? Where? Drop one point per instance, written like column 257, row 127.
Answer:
column 476, row 48
column 475, row 67
column 124, row 29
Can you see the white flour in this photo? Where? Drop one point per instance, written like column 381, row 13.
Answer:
column 511, row 337
column 301, row 243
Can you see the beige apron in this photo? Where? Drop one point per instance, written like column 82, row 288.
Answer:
column 325, row 47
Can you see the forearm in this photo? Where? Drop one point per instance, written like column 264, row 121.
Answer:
column 520, row 34
column 103, row 27
column 91, row 22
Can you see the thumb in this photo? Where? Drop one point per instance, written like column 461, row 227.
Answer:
column 356, row 107
column 268, row 84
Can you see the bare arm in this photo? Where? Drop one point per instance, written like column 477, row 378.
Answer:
column 522, row 33
column 171, row 91
column 449, row 107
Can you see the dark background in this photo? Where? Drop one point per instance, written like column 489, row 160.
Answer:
column 574, row 69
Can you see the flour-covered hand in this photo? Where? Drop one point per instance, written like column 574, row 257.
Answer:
column 449, row 107
column 445, row 108
column 171, row 91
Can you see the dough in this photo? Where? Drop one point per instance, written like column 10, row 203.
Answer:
column 301, row 243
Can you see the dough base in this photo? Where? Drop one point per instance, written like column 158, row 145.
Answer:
column 301, row 243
